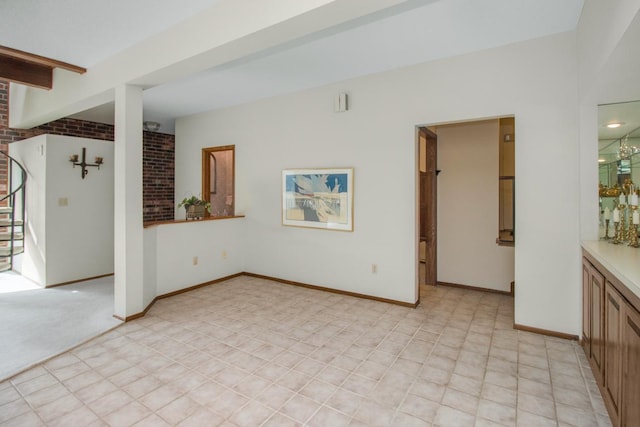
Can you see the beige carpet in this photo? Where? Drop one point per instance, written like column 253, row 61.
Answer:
column 38, row 324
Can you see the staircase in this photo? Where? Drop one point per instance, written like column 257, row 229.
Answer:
column 12, row 219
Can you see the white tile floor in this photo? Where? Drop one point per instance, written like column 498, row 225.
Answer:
column 250, row 352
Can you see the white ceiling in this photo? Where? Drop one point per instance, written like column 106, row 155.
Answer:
column 85, row 32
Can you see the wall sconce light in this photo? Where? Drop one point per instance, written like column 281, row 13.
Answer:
column 151, row 126
column 83, row 164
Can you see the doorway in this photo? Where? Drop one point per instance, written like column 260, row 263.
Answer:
column 460, row 245
column 428, row 187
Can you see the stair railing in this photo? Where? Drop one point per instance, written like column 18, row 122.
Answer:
column 11, row 199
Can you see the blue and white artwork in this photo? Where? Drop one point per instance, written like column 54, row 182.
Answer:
column 320, row 198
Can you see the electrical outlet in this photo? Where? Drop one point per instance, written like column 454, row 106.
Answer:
column 224, row 254
column 195, row 260
column 374, row 268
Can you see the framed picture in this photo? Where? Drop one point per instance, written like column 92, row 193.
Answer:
column 318, row 198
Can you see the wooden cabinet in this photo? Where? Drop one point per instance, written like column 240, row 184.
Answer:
column 593, row 302
column 614, row 311
column 630, row 405
column 597, row 327
column 611, row 341
column 586, row 308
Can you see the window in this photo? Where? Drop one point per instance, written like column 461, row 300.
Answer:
column 218, row 179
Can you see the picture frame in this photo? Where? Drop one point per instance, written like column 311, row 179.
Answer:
column 318, row 198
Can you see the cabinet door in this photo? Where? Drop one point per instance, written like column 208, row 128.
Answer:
column 631, row 367
column 586, row 308
column 613, row 318
column 596, row 327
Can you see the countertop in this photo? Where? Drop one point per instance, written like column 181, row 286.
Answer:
column 621, row 261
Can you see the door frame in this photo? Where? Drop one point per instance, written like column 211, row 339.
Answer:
column 427, row 220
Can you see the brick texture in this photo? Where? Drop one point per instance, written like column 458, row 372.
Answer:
column 157, row 176
column 157, row 157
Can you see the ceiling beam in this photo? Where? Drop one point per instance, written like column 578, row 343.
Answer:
column 30, row 57
column 24, row 72
column 29, row 69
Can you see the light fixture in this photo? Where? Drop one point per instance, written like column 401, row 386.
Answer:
column 625, row 150
column 602, row 160
column 151, row 126
column 83, row 164
column 614, row 125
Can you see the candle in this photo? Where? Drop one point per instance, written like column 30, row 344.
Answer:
column 607, row 213
column 634, row 200
column 636, row 217
column 622, row 200
column 616, row 215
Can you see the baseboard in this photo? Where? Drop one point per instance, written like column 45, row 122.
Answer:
column 170, row 294
column 273, row 279
column 79, row 280
column 200, row 285
column 545, row 332
column 476, row 288
column 333, row 291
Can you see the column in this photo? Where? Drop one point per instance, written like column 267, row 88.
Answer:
column 128, row 230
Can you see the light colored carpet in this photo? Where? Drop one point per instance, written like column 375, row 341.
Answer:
column 38, row 324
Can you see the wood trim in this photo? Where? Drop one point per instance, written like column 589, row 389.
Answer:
column 545, row 332
column 476, row 288
column 273, row 279
column 200, row 285
column 41, row 60
column 180, row 221
column 24, row 72
column 79, row 280
column 170, row 294
column 333, row 291
column 135, row 316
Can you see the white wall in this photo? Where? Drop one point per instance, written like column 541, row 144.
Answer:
column 534, row 80
column 218, row 245
column 72, row 242
column 30, row 153
column 468, row 220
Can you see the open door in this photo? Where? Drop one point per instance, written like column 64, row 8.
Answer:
column 428, row 203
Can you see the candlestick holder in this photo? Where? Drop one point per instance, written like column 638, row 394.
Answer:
column 616, row 233
column 633, row 236
column 630, row 209
column 606, row 229
column 621, row 232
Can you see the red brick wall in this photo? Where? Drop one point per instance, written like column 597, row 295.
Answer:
column 157, row 157
column 157, row 176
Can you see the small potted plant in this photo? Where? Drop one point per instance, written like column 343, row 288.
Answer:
column 195, row 207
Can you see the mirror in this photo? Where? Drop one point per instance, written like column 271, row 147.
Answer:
column 619, row 147
column 618, row 153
